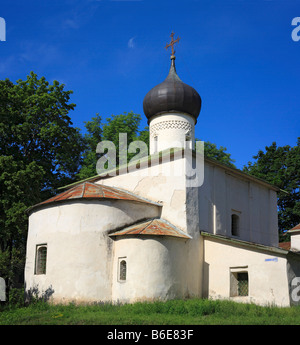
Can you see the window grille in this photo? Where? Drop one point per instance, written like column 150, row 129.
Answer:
column 242, row 279
column 239, row 282
column 41, row 259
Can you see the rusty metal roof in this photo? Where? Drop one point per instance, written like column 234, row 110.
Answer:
column 156, row 227
column 295, row 228
column 285, row 245
column 88, row 190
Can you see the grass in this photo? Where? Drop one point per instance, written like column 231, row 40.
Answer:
column 175, row 312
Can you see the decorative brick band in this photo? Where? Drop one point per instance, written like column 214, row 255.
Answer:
column 170, row 124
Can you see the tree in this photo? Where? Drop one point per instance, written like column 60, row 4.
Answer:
column 280, row 166
column 128, row 123
column 219, row 154
column 91, row 140
column 39, row 151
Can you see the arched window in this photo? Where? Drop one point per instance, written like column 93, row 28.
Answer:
column 156, row 144
column 188, row 141
column 122, row 270
column 41, row 259
column 235, row 225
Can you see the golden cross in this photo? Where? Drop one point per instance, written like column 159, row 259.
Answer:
column 172, row 43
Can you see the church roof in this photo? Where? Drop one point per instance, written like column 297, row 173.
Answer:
column 88, row 190
column 172, row 95
column 156, row 227
column 295, row 228
column 156, row 159
column 234, row 241
column 285, row 245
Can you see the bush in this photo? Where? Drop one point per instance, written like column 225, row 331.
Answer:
column 16, row 297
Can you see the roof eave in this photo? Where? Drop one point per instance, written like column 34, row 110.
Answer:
column 275, row 250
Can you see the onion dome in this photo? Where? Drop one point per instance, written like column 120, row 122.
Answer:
column 172, row 95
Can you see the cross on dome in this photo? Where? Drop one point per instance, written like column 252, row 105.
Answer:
column 171, row 44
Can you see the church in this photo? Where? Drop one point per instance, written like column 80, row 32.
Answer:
column 178, row 226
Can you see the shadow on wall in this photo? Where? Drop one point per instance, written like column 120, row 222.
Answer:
column 34, row 294
column 205, row 281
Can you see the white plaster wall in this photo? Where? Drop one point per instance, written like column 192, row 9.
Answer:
column 156, row 268
column 206, row 208
column 171, row 130
column 79, row 252
column 163, row 183
column 295, row 241
column 223, row 194
column 266, row 273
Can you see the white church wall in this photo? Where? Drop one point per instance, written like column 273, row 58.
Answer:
column 295, row 241
column 237, row 202
column 180, row 207
column 267, row 273
column 264, row 216
column 223, row 194
column 171, row 130
column 79, row 252
column 156, row 268
column 164, row 183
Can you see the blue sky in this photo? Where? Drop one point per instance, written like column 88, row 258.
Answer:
column 239, row 55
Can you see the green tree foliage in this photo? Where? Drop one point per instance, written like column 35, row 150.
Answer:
column 212, row 151
column 280, row 166
column 39, row 151
column 128, row 123
column 92, row 137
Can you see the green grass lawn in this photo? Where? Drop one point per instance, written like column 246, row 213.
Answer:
column 175, row 312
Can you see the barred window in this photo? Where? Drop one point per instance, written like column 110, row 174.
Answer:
column 41, row 259
column 239, row 282
column 242, row 279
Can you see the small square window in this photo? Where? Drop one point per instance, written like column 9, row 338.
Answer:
column 239, row 283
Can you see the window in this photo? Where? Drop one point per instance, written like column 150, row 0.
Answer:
column 235, row 225
column 41, row 259
column 188, row 141
column 156, row 143
column 122, row 269
column 239, row 283
column 242, row 281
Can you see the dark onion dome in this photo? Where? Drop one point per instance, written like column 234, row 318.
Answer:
column 172, row 95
